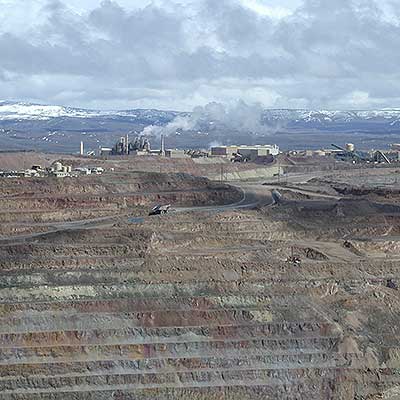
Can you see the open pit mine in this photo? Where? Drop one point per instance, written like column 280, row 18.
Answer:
column 228, row 295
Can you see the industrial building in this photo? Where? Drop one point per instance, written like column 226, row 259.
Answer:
column 395, row 146
column 59, row 170
column 140, row 145
column 245, row 152
column 175, row 153
column 252, row 152
column 105, row 151
column 224, row 151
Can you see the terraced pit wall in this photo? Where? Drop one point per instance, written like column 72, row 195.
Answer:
column 200, row 305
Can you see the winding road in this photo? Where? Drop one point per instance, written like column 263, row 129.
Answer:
column 255, row 194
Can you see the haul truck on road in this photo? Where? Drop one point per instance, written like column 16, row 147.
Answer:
column 160, row 209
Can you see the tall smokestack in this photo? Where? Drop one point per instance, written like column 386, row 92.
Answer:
column 162, row 151
column 81, row 149
column 127, row 144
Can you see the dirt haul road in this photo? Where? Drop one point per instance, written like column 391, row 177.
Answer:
column 203, row 305
column 249, row 198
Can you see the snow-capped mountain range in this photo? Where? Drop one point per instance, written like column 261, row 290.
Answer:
column 10, row 111
column 58, row 128
column 391, row 115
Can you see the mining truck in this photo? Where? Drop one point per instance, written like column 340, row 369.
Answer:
column 160, row 209
column 276, row 197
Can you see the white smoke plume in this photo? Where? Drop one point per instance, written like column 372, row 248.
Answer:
column 179, row 123
column 215, row 143
column 240, row 117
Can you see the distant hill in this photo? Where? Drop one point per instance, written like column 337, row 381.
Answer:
column 57, row 128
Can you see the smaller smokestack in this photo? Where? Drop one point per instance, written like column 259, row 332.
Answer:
column 81, row 149
column 162, row 151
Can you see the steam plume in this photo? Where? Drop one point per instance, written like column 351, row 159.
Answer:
column 239, row 117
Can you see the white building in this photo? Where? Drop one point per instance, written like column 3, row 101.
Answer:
column 258, row 150
column 247, row 151
column 83, row 170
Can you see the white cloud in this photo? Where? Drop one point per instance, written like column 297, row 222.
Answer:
column 263, row 8
column 182, row 53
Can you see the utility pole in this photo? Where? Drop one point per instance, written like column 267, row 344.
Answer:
column 279, row 171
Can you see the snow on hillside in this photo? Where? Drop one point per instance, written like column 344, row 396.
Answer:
column 19, row 111
column 15, row 111
column 328, row 116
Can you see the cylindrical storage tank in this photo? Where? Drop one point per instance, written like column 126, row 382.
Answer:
column 64, row 168
column 349, row 146
column 69, row 168
column 58, row 166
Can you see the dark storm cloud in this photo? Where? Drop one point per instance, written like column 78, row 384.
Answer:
column 326, row 53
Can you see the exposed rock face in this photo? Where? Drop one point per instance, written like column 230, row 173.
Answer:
column 193, row 305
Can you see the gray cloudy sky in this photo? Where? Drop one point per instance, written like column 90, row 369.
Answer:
column 176, row 54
